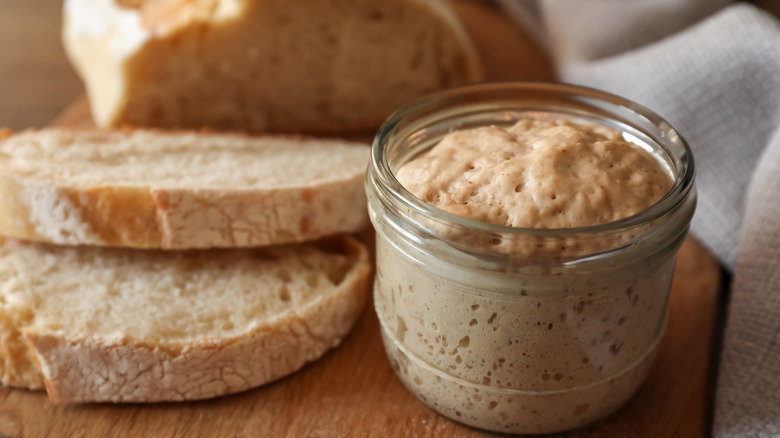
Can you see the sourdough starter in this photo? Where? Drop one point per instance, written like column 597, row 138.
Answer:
column 534, row 353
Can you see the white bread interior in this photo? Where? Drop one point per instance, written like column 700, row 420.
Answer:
column 311, row 66
column 119, row 325
column 153, row 189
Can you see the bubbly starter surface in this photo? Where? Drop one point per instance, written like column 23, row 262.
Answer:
column 537, row 174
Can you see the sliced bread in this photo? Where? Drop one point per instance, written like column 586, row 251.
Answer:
column 150, row 189
column 123, row 325
column 309, row 66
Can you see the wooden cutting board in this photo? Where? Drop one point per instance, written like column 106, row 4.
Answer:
column 352, row 391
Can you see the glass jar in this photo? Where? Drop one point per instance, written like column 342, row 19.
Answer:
column 522, row 340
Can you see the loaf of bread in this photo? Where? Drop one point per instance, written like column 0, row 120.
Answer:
column 122, row 325
column 309, row 66
column 150, row 189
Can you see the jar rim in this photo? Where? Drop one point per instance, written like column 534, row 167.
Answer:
column 389, row 184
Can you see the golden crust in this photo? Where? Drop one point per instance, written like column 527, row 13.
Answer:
column 232, row 64
column 79, row 367
column 143, row 217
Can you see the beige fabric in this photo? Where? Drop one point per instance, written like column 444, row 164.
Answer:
column 715, row 75
column 748, row 399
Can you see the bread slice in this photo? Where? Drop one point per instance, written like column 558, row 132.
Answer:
column 149, row 189
column 123, row 325
column 309, row 66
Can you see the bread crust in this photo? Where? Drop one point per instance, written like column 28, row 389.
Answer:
column 122, row 369
column 142, row 216
column 131, row 65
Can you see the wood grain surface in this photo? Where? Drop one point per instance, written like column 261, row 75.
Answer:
column 352, row 391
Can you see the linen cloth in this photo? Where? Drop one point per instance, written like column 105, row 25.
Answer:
column 712, row 69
